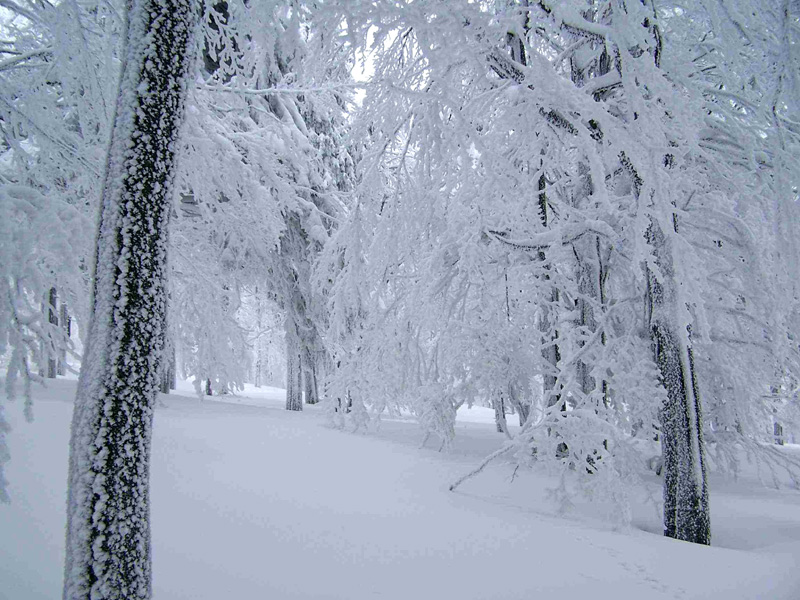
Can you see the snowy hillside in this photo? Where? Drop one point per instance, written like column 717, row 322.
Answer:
column 251, row 501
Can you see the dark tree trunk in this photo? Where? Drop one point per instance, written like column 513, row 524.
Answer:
column 108, row 512
column 66, row 325
column 173, row 368
column 548, row 326
column 686, row 507
column 585, row 322
column 500, row 413
column 294, row 390
column 164, row 383
column 523, row 411
column 167, row 364
column 551, row 352
column 310, row 383
column 49, row 366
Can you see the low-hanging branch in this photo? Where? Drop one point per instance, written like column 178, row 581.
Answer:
column 282, row 90
column 563, row 234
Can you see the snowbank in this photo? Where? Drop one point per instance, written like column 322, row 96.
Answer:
column 251, row 501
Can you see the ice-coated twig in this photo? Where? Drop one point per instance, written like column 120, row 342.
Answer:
column 482, row 466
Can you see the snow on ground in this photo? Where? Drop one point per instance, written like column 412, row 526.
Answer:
column 253, row 502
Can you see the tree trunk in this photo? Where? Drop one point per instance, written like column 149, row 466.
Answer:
column 258, row 366
column 294, row 390
column 325, row 368
column 167, row 364
column 310, row 383
column 551, row 352
column 108, row 511
column 173, row 368
column 500, row 413
column 269, row 378
column 66, row 325
column 549, row 319
column 549, row 328
column 48, row 366
column 523, row 409
column 588, row 286
column 686, row 510
column 778, row 431
column 163, row 386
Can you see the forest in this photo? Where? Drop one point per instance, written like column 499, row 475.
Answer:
column 541, row 253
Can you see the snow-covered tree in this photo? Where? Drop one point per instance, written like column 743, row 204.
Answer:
column 59, row 65
column 108, row 512
column 540, row 218
column 265, row 212
column 578, row 211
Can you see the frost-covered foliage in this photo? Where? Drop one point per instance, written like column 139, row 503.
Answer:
column 265, row 161
column 57, row 74
column 743, row 62
column 550, row 219
column 40, row 238
column 579, row 212
column 56, row 98
column 256, row 199
column 256, row 161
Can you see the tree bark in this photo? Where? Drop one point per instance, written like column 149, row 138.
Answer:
column 173, row 367
column 500, row 414
column 310, row 382
column 163, row 386
column 550, row 352
column 48, row 366
column 686, row 507
column 778, row 431
column 108, row 511
column 294, row 390
column 167, row 363
column 66, row 325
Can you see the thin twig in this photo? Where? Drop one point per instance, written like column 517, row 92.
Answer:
column 482, row 466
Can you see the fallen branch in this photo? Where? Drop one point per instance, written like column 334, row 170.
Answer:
column 482, row 466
